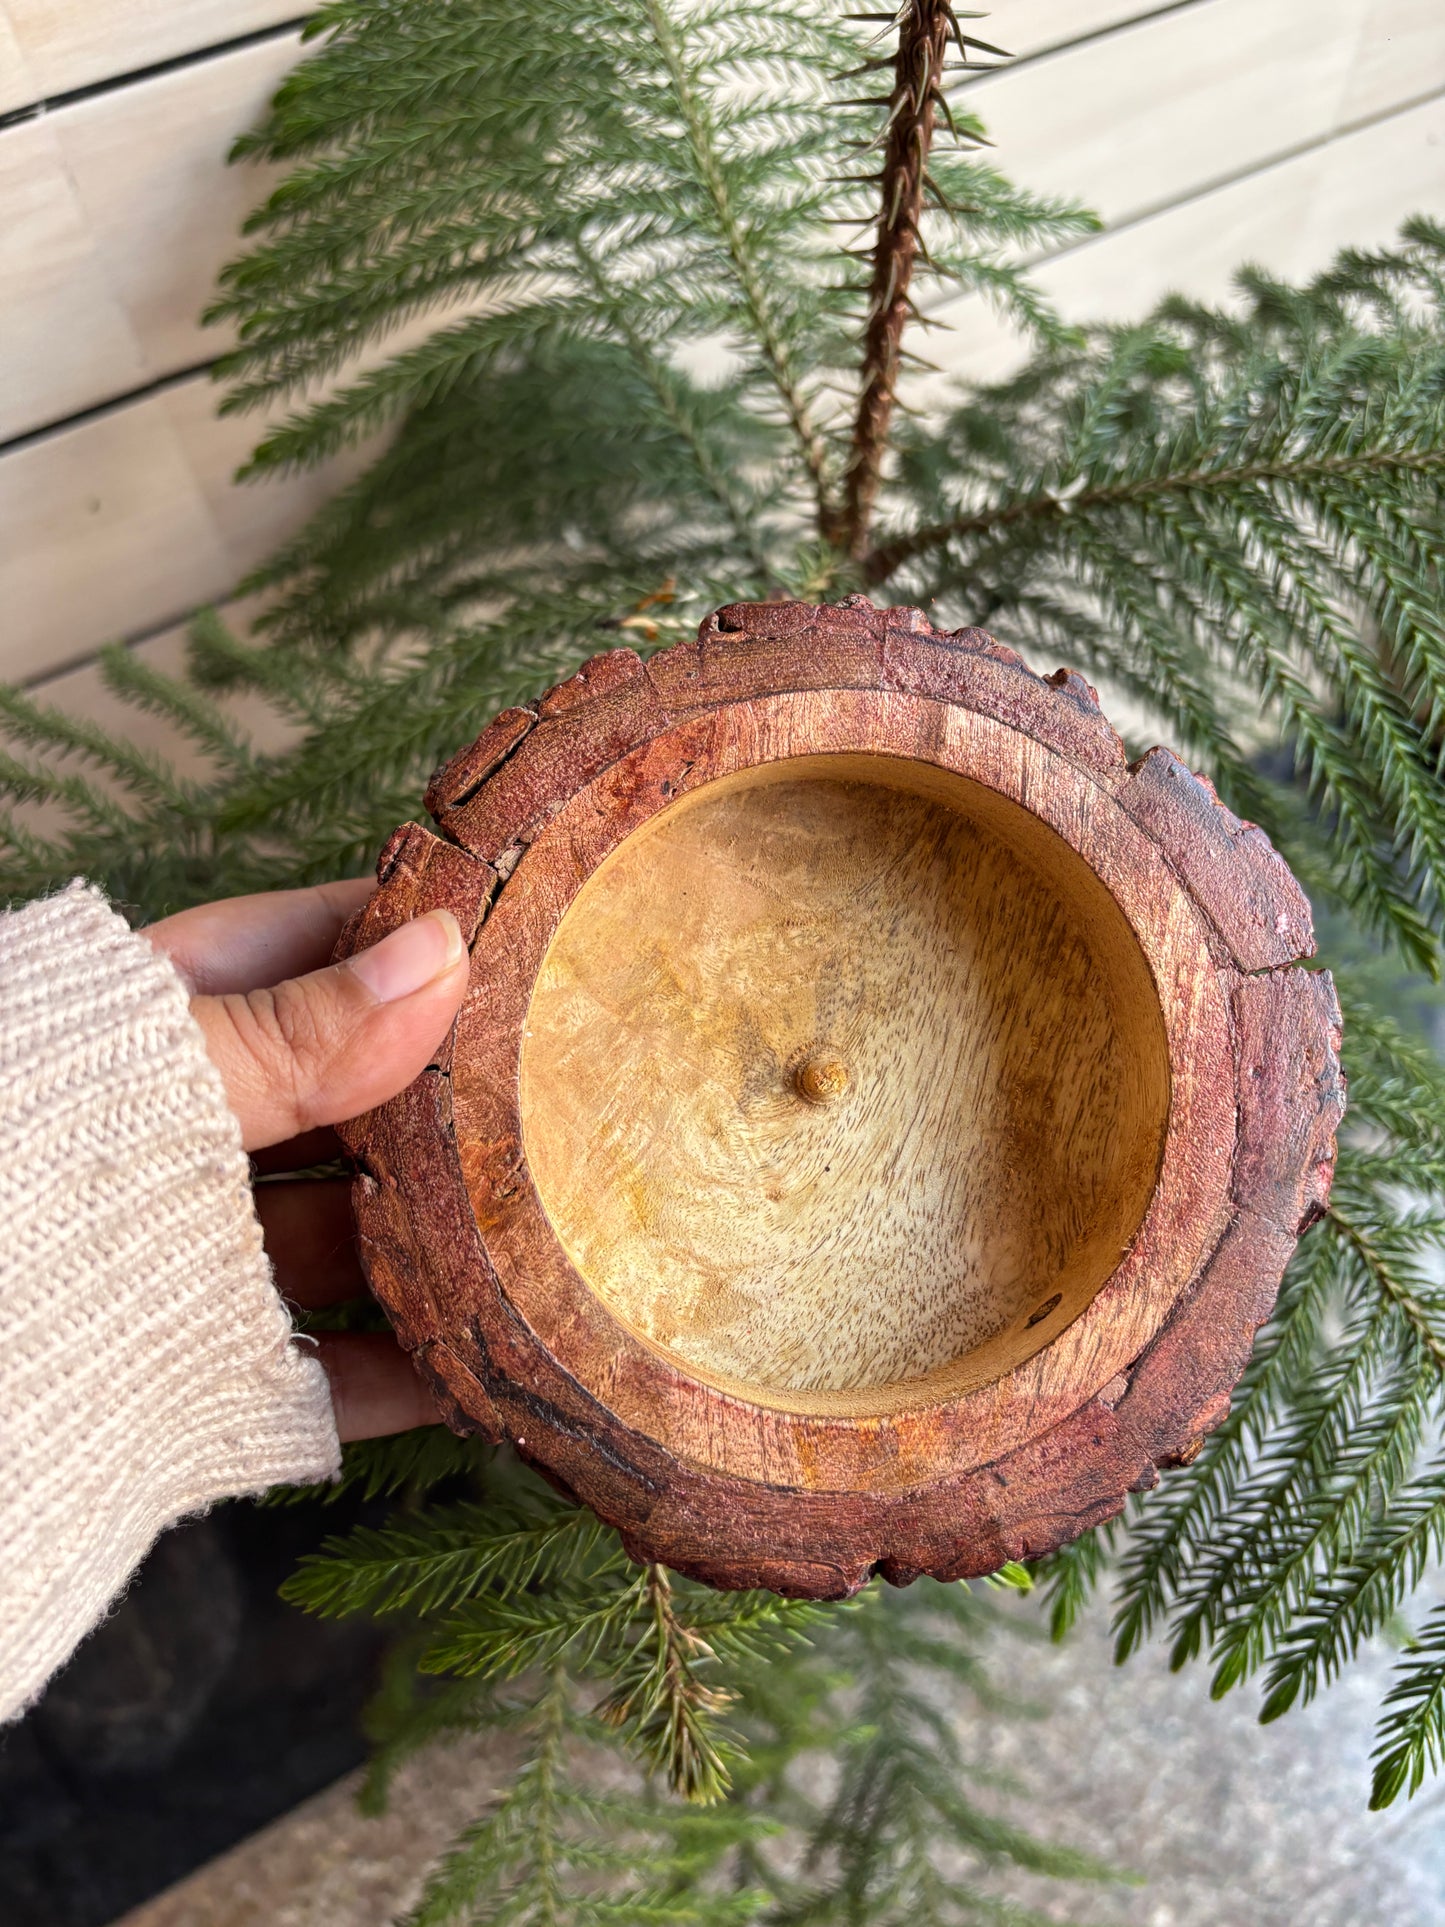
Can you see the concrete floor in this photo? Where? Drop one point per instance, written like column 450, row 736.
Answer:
column 1227, row 1822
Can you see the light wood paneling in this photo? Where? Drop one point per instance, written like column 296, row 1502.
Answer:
column 16, row 86
column 1290, row 219
column 1163, row 108
column 123, row 521
column 115, row 212
column 65, row 44
column 134, row 212
column 76, row 45
column 65, row 340
column 1026, row 27
column 165, row 211
column 1400, row 51
column 130, row 519
column 104, row 524
column 143, row 211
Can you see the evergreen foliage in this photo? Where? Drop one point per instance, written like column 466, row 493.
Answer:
column 632, row 286
column 817, row 1746
column 1315, row 1510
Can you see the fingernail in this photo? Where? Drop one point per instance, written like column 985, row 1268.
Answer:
column 412, row 957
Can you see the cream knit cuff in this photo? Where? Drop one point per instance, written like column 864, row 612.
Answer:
column 147, row 1366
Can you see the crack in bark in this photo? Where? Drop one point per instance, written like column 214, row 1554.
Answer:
column 478, row 783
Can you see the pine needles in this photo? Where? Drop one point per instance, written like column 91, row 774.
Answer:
column 555, row 1848
column 1236, row 517
column 1311, row 1517
column 629, row 289
column 622, row 1688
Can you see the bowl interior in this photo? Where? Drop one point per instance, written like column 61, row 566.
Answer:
column 844, row 1082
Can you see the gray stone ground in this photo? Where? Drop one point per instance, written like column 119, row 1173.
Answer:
column 1230, row 1823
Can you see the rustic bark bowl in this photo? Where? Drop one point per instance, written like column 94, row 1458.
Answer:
column 881, row 1114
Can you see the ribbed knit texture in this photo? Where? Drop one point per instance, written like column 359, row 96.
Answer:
column 147, row 1366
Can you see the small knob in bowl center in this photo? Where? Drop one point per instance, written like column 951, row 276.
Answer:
column 821, row 1077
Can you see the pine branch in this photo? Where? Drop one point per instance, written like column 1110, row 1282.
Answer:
column 1315, row 1512
column 673, row 1658
column 874, row 1847
column 55, row 733
column 1412, row 1733
column 1173, row 1534
column 702, row 141
column 407, row 1716
column 662, row 1700
column 669, row 392
column 554, row 1850
column 413, row 1463
column 218, row 659
column 889, row 556
column 1070, row 1577
column 179, row 702
column 29, row 856
column 1396, row 1290
column 431, row 1564
column 1359, row 1600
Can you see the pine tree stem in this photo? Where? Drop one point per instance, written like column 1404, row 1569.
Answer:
column 888, row 557
column 912, row 110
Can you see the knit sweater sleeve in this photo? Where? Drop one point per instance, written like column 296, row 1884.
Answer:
column 147, row 1365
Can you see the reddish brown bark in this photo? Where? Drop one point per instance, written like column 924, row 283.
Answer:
column 460, row 1250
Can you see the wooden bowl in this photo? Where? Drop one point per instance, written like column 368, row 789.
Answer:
column 881, row 1114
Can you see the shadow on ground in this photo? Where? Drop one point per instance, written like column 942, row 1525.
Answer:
column 198, row 1712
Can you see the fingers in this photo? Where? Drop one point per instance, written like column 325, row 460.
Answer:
column 245, row 941
column 311, row 1242
column 302, row 1044
column 375, row 1388
column 316, row 1049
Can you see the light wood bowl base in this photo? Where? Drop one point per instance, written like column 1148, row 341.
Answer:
column 991, row 1064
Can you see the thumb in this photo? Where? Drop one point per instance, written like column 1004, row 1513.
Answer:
column 317, row 1049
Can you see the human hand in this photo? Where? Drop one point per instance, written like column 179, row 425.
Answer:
column 301, row 1044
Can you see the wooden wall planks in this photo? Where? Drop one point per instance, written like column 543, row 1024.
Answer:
column 16, row 86
column 50, row 47
column 1203, row 93
column 139, row 212
column 65, row 340
column 166, row 213
column 126, row 521
column 129, row 211
column 1025, row 28
column 1208, row 131
column 1290, row 217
